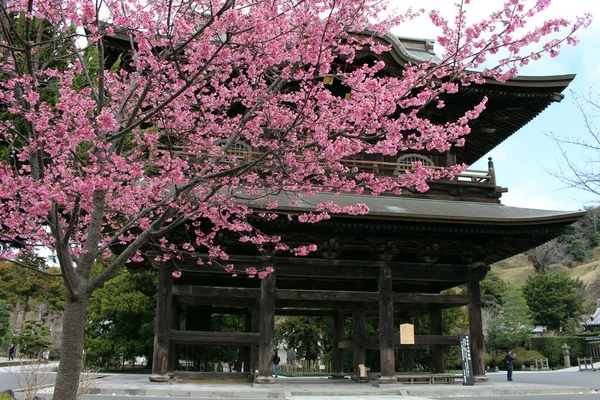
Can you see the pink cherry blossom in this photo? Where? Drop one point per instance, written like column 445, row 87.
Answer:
column 226, row 125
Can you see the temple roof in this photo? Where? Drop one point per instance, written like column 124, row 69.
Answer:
column 595, row 318
column 511, row 104
column 429, row 210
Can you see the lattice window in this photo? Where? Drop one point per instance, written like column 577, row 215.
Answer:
column 405, row 162
column 238, row 149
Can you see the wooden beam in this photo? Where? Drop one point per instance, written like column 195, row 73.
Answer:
column 283, row 261
column 345, row 269
column 304, row 313
column 322, row 299
column 325, row 295
column 229, row 310
column 214, row 338
column 420, row 341
column 432, row 298
column 215, row 291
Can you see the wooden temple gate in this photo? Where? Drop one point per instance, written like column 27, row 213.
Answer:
column 393, row 262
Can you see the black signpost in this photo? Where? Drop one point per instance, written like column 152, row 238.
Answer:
column 467, row 364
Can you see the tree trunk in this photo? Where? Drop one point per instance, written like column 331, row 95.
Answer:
column 71, row 350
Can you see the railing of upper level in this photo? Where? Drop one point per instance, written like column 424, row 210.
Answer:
column 376, row 167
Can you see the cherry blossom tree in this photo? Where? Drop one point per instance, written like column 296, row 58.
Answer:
column 105, row 155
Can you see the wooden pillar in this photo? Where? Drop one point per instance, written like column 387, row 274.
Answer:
column 173, row 356
column 437, row 351
column 337, row 357
column 244, row 356
column 164, row 302
column 476, row 274
column 254, row 324
column 408, row 360
column 386, row 327
column 358, row 336
column 267, row 330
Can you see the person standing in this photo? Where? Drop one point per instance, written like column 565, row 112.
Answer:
column 508, row 360
column 276, row 361
column 11, row 352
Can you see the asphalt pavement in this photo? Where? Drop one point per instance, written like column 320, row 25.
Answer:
column 569, row 382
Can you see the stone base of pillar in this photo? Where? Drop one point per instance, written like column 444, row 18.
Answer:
column 337, row 375
column 158, row 378
column 387, row 380
column 261, row 380
column 481, row 378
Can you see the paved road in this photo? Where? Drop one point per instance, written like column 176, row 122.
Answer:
column 567, row 378
column 594, row 396
column 10, row 381
column 529, row 397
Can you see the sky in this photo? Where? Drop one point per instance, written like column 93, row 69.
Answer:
column 524, row 163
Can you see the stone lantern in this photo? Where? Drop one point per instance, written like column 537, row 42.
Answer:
column 566, row 350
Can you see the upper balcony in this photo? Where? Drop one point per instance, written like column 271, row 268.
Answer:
column 470, row 185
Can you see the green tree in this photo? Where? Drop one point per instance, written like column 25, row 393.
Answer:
column 306, row 335
column 4, row 323
column 34, row 338
column 120, row 321
column 492, row 290
column 515, row 325
column 553, row 299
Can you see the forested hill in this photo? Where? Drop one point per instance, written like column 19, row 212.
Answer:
column 517, row 269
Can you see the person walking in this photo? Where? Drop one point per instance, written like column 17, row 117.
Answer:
column 11, row 352
column 508, row 360
column 276, row 361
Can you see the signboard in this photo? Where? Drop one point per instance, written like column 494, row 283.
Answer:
column 467, row 363
column 407, row 334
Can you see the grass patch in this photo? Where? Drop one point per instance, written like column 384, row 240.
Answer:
column 516, row 276
column 5, row 396
column 518, row 261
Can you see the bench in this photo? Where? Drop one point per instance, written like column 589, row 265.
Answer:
column 428, row 378
column 585, row 364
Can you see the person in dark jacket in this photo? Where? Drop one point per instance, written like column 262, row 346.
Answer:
column 11, row 352
column 276, row 361
column 508, row 360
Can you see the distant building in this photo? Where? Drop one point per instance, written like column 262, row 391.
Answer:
column 539, row 330
column 593, row 323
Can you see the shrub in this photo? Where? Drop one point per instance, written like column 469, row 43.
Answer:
column 551, row 348
column 524, row 357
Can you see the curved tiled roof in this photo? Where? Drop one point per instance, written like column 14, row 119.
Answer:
column 595, row 318
column 511, row 104
column 402, row 208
